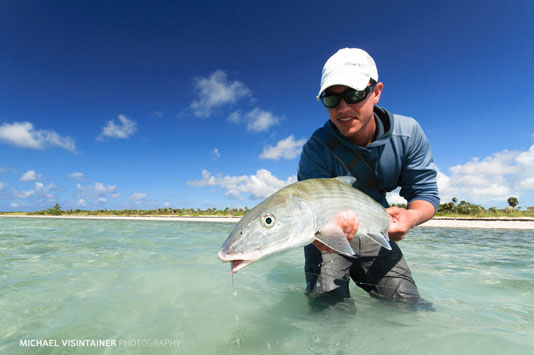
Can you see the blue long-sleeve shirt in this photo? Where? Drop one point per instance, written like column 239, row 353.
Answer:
column 400, row 156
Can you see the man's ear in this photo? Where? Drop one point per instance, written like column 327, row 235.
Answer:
column 377, row 91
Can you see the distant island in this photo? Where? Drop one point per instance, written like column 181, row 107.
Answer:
column 56, row 210
column 448, row 209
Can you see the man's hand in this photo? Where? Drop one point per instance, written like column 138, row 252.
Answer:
column 402, row 220
column 348, row 222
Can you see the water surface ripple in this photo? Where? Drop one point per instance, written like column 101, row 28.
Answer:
column 145, row 282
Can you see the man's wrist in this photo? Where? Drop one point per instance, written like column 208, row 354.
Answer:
column 421, row 211
column 415, row 216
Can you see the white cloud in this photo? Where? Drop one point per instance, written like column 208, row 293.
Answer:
column 257, row 120
column 82, row 202
column 44, row 191
column 40, row 192
column 286, row 148
column 22, row 134
column 260, row 121
column 215, row 91
column 30, row 175
column 215, row 152
column 14, row 204
column 526, row 184
column 235, row 117
column 101, row 188
column 393, row 197
column 138, row 197
column 96, row 193
column 76, row 176
column 166, row 204
column 258, row 186
column 122, row 130
column 493, row 190
column 2, row 185
column 24, row 194
column 490, row 180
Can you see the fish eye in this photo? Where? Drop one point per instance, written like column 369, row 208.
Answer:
column 268, row 220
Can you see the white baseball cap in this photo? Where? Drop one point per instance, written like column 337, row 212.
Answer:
column 352, row 67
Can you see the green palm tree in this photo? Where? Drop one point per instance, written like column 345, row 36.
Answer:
column 513, row 201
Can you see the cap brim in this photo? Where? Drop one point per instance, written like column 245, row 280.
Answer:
column 353, row 80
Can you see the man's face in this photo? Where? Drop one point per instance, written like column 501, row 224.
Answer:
column 355, row 121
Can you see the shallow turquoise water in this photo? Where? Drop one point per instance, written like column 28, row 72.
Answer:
column 158, row 287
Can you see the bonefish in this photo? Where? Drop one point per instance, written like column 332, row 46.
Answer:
column 303, row 212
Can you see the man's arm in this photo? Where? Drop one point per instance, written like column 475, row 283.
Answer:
column 418, row 179
column 418, row 183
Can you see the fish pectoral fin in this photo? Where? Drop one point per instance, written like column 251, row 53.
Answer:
column 379, row 238
column 333, row 237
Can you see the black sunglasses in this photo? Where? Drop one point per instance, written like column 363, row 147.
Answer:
column 350, row 96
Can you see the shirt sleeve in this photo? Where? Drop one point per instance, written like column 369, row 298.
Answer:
column 313, row 162
column 418, row 180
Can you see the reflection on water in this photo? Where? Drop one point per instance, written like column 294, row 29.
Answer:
column 159, row 285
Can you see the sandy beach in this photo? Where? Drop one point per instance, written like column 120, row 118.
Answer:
column 140, row 218
column 436, row 222
column 481, row 223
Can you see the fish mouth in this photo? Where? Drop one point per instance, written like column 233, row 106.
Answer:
column 237, row 264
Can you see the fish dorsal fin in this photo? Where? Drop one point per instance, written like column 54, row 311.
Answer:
column 333, row 237
column 379, row 238
column 348, row 180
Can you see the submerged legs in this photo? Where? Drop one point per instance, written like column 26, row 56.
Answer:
column 382, row 273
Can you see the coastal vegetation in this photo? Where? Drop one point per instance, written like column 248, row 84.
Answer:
column 447, row 209
column 468, row 209
column 56, row 210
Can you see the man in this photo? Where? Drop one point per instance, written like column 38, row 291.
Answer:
column 383, row 151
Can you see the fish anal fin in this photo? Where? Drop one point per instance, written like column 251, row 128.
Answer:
column 379, row 238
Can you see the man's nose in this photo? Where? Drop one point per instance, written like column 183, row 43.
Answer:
column 343, row 106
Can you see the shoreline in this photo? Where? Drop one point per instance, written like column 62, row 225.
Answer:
column 524, row 223
column 139, row 218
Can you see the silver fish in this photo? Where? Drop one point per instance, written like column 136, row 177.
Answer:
column 303, row 212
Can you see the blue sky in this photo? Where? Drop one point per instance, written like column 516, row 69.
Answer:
column 130, row 104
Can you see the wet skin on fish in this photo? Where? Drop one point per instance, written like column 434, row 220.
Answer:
column 303, row 212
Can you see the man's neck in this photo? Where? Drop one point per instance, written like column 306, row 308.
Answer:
column 366, row 135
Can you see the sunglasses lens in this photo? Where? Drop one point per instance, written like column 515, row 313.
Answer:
column 350, row 97
column 353, row 96
column 331, row 100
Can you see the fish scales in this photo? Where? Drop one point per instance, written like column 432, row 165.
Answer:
column 329, row 197
column 299, row 213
